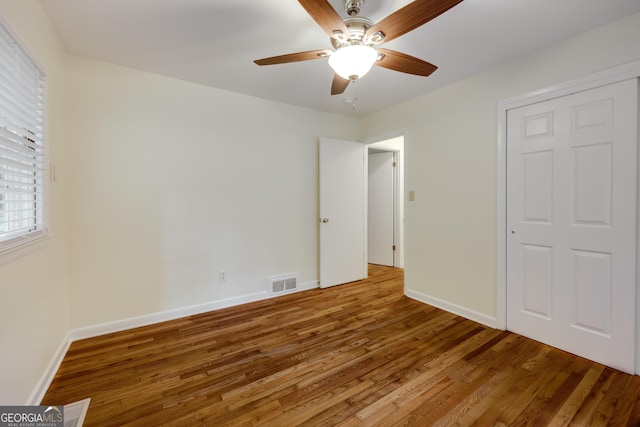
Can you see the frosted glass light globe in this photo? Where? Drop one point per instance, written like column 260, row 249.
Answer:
column 354, row 61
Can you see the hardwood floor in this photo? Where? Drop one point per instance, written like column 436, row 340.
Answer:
column 360, row 354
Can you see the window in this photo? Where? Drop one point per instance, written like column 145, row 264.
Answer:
column 22, row 150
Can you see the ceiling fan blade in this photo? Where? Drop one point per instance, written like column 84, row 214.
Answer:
column 326, row 16
column 294, row 57
column 339, row 85
column 410, row 17
column 404, row 63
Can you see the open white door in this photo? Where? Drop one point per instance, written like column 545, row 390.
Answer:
column 342, row 212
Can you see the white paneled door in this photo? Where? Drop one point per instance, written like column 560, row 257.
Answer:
column 342, row 212
column 380, row 207
column 571, row 222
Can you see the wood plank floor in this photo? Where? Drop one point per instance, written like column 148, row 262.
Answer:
column 360, row 354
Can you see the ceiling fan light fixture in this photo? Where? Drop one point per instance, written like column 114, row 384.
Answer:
column 353, row 61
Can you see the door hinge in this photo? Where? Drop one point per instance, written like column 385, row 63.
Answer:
column 393, row 247
column 394, row 164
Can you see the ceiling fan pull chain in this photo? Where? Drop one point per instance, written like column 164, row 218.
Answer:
column 353, row 98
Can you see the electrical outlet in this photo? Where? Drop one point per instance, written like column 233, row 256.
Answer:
column 222, row 276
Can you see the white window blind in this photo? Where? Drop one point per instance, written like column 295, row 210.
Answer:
column 22, row 150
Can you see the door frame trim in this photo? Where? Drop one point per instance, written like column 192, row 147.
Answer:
column 601, row 78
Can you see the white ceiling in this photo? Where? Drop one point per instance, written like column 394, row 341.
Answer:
column 214, row 42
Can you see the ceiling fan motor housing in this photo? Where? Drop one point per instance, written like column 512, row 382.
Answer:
column 358, row 26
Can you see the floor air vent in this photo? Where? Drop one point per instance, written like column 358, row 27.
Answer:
column 283, row 283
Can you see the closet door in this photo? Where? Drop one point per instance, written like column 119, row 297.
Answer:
column 571, row 222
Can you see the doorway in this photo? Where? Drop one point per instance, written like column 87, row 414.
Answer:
column 385, row 202
column 381, row 196
column 343, row 209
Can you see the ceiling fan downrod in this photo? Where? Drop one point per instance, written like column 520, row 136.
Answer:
column 352, row 7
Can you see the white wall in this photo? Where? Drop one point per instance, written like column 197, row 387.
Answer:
column 174, row 182
column 34, row 296
column 451, row 150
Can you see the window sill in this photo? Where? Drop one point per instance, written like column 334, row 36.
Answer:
column 19, row 247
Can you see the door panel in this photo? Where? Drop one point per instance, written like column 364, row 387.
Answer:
column 571, row 218
column 593, row 184
column 591, row 272
column 537, row 280
column 538, row 186
column 342, row 212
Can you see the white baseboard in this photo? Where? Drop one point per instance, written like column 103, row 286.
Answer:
column 307, row 286
column 453, row 308
column 120, row 325
column 45, row 381
column 163, row 316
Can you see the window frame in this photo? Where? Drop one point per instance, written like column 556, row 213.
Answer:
column 26, row 238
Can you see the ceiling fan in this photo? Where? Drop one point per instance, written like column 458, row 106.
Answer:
column 356, row 39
